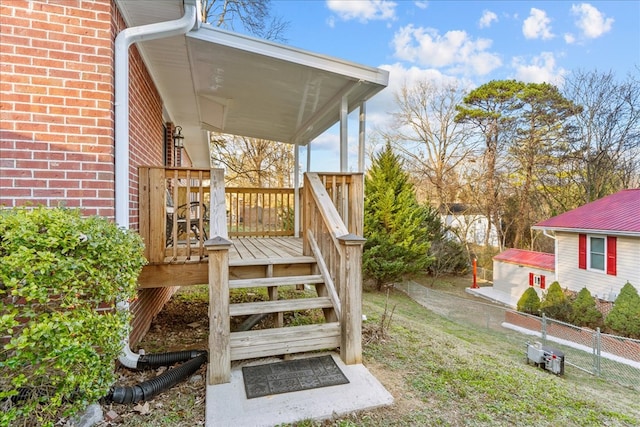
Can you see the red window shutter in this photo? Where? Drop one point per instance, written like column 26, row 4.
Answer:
column 611, row 255
column 542, row 282
column 582, row 251
column 530, row 279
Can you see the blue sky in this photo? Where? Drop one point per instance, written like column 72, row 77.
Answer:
column 472, row 42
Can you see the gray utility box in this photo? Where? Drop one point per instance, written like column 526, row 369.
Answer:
column 545, row 357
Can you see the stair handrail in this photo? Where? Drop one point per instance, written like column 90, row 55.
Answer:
column 342, row 253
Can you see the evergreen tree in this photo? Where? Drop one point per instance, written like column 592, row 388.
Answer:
column 555, row 303
column 396, row 226
column 529, row 302
column 584, row 310
column 624, row 318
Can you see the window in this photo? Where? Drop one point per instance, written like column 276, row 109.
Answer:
column 597, row 253
column 600, row 253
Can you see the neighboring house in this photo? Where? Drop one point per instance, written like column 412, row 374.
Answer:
column 93, row 90
column 515, row 269
column 597, row 246
column 469, row 225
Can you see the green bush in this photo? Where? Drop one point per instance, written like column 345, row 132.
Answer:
column 56, row 270
column 624, row 318
column 555, row 303
column 529, row 302
column 584, row 311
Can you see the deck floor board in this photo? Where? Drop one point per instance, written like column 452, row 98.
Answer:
column 246, row 248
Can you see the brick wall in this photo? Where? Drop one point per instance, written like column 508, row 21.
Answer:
column 56, row 121
column 56, row 115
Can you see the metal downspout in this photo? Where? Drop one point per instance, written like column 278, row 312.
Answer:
column 123, row 41
column 555, row 253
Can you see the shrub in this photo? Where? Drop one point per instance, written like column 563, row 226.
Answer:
column 56, row 270
column 584, row 311
column 624, row 317
column 555, row 303
column 529, row 302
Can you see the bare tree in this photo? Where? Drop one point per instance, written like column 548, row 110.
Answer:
column 251, row 162
column 252, row 16
column 433, row 144
column 605, row 153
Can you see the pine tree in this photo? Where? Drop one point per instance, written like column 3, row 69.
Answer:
column 555, row 303
column 584, row 310
column 396, row 226
column 529, row 302
column 624, row 318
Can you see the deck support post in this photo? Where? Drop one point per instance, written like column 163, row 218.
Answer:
column 351, row 298
column 219, row 370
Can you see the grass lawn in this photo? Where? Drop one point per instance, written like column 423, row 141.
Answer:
column 443, row 373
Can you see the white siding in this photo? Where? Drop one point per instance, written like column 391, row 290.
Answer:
column 471, row 228
column 599, row 283
column 513, row 279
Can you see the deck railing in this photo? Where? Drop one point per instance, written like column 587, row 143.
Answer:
column 327, row 199
column 178, row 213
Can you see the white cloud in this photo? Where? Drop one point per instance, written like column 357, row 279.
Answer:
column 363, row 10
column 542, row 68
column 537, row 25
column 454, row 49
column 487, row 19
column 591, row 21
column 569, row 38
column 421, row 4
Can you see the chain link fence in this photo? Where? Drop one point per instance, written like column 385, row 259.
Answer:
column 610, row 357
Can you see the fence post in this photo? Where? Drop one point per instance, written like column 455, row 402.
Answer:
column 543, row 332
column 598, row 351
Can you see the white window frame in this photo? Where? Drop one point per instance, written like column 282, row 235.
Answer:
column 604, row 254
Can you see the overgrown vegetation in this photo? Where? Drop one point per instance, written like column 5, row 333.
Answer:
column 624, row 318
column 57, row 272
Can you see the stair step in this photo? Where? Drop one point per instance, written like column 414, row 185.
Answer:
column 248, row 308
column 276, row 281
column 272, row 261
column 291, row 339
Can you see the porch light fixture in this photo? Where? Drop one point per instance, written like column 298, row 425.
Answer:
column 178, row 138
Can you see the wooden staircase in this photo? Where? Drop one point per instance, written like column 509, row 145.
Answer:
column 280, row 339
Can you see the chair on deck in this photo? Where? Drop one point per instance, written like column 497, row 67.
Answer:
column 192, row 210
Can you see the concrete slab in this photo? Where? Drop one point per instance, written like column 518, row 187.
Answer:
column 227, row 404
column 491, row 294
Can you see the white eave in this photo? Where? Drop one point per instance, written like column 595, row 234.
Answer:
column 221, row 81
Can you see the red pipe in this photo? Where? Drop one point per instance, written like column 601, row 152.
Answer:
column 475, row 274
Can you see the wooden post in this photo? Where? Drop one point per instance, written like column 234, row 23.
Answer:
column 351, row 298
column 219, row 320
column 157, row 215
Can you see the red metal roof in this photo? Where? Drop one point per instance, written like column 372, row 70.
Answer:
column 529, row 258
column 619, row 212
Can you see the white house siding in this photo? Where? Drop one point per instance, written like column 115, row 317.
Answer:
column 513, row 279
column 474, row 228
column 599, row 283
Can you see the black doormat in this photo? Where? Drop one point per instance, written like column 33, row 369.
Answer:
column 291, row 375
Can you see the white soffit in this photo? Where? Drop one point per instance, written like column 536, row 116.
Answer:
column 251, row 87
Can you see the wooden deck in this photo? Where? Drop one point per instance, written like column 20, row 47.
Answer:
column 249, row 257
column 249, row 249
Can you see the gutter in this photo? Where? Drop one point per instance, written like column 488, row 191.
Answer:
column 124, row 40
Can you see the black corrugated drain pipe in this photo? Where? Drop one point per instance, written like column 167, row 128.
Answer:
column 147, row 389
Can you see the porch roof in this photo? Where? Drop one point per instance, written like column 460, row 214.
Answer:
column 211, row 79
